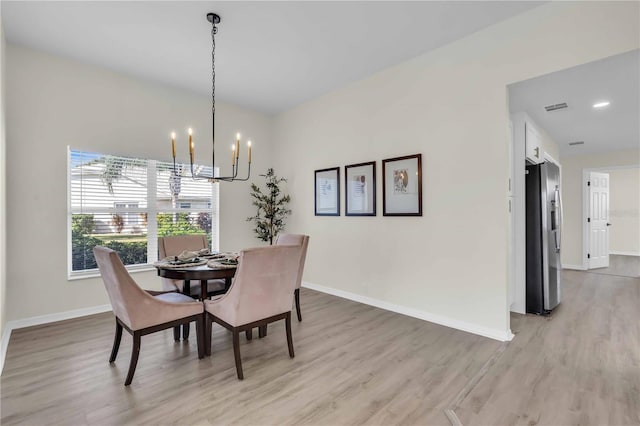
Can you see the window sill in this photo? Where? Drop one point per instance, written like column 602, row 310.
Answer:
column 95, row 273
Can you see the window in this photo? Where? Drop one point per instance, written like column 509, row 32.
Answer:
column 127, row 203
column 130, row 217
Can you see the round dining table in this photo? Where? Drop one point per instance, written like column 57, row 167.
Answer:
column 201, row 273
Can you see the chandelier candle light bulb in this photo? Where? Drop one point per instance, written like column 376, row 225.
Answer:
column 249, row 145
column 191, row 148
column 173, row 144
column 237, row 145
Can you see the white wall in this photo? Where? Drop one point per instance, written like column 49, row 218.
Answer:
column 52, row 103
column 451, row 106
column 3, row 191
column 572, row 171
column 624, row 210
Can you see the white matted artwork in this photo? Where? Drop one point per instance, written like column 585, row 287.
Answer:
column 327, row 192
column 402, row 186
column 360, row 189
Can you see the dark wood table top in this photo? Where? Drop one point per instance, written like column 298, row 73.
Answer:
column 195, row 273
column 202, row 272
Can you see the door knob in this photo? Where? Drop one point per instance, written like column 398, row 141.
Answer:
column 608, row 224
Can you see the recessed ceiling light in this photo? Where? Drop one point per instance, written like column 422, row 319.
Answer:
column 601, row 104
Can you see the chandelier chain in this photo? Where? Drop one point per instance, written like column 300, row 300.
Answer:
column 214, row 31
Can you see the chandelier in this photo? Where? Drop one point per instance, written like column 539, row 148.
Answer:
column 235, row 148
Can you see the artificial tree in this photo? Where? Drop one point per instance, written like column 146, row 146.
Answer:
column 271, row 207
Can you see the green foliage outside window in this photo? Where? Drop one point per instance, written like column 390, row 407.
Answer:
column 177, row 224
column 118, row 222
column 82, row 244
column 132, row 252
column 83, row 223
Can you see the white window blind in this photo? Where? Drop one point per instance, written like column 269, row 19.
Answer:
column 127, row 203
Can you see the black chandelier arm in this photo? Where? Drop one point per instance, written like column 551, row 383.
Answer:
column 223, row 178
column 235, row 176
column 235, row 170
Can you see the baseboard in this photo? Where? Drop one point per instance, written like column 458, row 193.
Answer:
column 574, row 267
column 59, row 316
column 44, row 319
column 625, row 253
column 6, row 334
column 491, row 333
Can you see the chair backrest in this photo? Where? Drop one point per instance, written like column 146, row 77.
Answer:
column 131, row 304
column 176, row 244
column 296, row 240
column 263, row 284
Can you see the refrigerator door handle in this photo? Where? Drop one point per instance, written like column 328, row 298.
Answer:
column 558, row 232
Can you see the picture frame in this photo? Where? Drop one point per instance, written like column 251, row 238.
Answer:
column 327, row 192
column 402, row 186
column 360, row 189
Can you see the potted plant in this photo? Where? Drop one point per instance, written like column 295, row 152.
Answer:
column 271, row 207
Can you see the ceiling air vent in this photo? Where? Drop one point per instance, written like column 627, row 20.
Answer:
column 550, row 108
column 576, row 143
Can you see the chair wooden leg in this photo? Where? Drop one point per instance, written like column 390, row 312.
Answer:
column 296, row 294
column 116, row 342
column 200, row 333
column 208, row 325
column 262, row 331
column 176, row 333
column 185, row 330
column 249, row 334
column 236, row 353
column 289, row 338
column 134, row 357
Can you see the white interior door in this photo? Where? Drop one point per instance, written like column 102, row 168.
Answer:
column 598, row 220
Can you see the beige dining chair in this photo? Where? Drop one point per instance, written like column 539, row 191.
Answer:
column 260, row 294
column 143, row 312
column 296, row 240
column 173, row 246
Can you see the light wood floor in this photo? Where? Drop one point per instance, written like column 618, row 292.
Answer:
column 625, row 266
column 354, row 364
column 581, row 366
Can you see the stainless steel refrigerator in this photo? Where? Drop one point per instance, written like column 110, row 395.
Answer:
column 544, row 231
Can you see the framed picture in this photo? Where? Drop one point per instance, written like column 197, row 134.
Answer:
column 402, row 186
column 327, row 192
column 360, row 189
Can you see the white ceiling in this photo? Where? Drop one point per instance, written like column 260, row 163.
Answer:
column 270, row 56
column 616, row 127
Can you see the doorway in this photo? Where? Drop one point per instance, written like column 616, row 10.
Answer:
column 611, row 217
column 586, row 119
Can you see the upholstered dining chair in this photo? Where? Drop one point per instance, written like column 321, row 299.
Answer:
column 260, row 294
column 175, row 245
column 143, row 312
column 296, row 240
